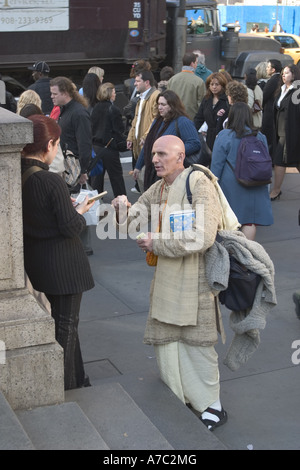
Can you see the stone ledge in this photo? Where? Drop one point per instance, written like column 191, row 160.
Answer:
column 23, row 322
column 33, row 376
column 14, row 129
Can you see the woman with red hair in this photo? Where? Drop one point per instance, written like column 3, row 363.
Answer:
column 214, row 107
column 54, row 258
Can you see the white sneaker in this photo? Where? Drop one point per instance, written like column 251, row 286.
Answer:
column 134, row 190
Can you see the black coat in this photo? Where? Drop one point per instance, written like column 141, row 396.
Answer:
column 287, row 119
column 268, row 127
column 54, row 257
column 107, row 123
column 42, row 88
column 76, row 132
column 207, row 113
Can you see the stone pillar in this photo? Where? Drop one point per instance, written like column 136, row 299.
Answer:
column 179, row 43
column 31, row 361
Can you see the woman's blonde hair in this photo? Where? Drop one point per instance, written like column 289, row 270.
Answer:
column 28, row 97
column 98, row 71
column 105, row 91
column 261, row 70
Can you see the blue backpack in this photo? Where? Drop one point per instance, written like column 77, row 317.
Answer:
column 253, row 165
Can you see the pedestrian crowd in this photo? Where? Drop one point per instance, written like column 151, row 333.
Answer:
column 166, row 125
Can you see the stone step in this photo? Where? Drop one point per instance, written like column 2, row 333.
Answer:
column 178, row 424
column 12, row 433
column 60, row 427
column 117, row 418
column 132, row 415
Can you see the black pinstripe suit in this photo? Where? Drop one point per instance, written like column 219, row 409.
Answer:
column 55, row 260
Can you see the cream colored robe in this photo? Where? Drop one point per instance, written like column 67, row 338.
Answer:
column 201, row 330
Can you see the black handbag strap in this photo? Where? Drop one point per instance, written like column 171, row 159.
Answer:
column 228, row 163
column 29, row 172
column 187, row 184
column 177, row 129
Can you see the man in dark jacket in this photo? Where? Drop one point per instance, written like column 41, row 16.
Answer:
column 274, row 68
column 41, row 85
column 75, row 122
column 76, row 132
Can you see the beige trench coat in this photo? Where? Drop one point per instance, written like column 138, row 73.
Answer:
column 149, row 112
column 209, row 321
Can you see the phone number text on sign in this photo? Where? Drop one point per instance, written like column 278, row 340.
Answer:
column 35, row 20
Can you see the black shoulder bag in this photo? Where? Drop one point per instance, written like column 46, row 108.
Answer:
column 201, row 157
column 242, row 283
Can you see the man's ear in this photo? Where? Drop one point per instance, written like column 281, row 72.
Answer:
column 180, row 157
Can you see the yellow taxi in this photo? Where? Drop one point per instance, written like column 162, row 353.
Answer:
column 289, row 42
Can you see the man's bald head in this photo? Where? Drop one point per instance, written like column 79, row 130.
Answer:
column 168, row 155
column 172, row 141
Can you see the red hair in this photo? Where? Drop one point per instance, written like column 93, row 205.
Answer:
column 44, row 130
column 217, row 76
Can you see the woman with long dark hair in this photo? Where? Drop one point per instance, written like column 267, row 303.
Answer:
column 54, row 258
column 90, row 89
column 287, row 125
column 172, row 119
column 252, row 205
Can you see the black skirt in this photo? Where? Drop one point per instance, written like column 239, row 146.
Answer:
column 279, row 157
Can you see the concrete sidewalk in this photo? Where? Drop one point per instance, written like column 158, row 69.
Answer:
column 262, row 397
column 128, row 407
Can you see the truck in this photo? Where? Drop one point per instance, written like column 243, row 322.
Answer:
column 223, row 49
column 73, row 35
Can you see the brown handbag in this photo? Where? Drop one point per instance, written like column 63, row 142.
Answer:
column 151, row 258
column 256, row 108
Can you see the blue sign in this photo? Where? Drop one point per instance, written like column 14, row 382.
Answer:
column 134, row 33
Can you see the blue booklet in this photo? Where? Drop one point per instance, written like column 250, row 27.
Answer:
column 181, row 221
